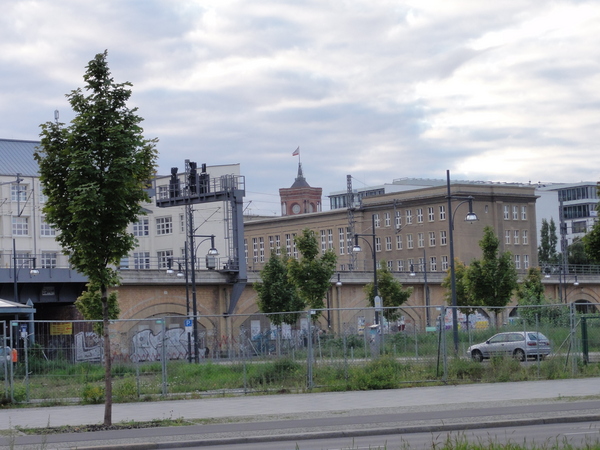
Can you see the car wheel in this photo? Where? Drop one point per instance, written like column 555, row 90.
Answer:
column 477, row 356
column 519, row 354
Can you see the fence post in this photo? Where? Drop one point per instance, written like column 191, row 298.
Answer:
column 164, row 357
column 309, row 352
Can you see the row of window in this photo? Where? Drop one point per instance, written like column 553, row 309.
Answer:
column 515, row 212
column 45, row 260
column 164, row 225
column 411, row 265
column 419, row 216
column 20, row 227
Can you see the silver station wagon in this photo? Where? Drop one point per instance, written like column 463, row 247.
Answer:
column 519, row 344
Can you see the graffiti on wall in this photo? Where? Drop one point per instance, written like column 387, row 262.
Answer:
column 144, row 346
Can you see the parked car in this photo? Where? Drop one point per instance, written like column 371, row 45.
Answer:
column 519, row 344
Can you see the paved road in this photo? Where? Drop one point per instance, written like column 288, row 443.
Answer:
column 260, row 417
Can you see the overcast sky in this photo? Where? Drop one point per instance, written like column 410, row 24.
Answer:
column 492, row 90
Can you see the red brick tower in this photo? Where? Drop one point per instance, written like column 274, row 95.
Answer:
column 300, row 198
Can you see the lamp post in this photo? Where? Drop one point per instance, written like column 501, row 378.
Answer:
column 32, row 271
column 376, row 298
column 425, row 288
column 212, row 252
column 470, row 217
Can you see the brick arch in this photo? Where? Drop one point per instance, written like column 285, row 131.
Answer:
column 589, row 295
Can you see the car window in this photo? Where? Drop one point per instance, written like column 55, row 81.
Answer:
column 498, row 338
column 516, row 337
column 534, row 336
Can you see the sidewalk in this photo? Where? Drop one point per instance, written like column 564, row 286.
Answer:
column 292, row 406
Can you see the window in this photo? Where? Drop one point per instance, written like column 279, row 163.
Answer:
column 42, row 198
column 246, row 250
column 24, row 260
column 377, row 221
column 330, row 239
column 516, row 237
column 388, row 243
column 445, row 263
column 163, row 257
column 523, row 212
column 433, row 264
column 409, row 241
column 278, row 244
column 398, row 220
column 140, row 228
column 579, row 226
column 515, row 214
column 271, row 244
column 387, row 219
column 430, row 214
column 408, row 216
column 323, row 241
column 419, row 215
column 48, row 260
column 163, row 192
column 288, row 244
column 507, row 237
column 400, row 265
column 342, row 240
column 421, row 267
column 18, row 192
column 421, row 240
column 141, row 260
column 525, row 261
column 20, row 226
column 525, row 237
column 410, row 264
column 517, row 261
column 261, row 248
column 506, row 212
column 164, row 225
column 46, row 229
column 432, row 238
column 390, row 265
column 399, row 242
column 443, row 238
column 377, row 244
column 442, row 212
column 254, row 249
column 181, row 223
column 294, row 247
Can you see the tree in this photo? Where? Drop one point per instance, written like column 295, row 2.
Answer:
column 312, row 274
column 390, row 290
column 466, row 304
column 548, row 240
column 492, row 279
column 531, row 293
column 576, row 253
column 93, row 173
column 277, row 295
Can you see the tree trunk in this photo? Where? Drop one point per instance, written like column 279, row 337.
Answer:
column 107, row 360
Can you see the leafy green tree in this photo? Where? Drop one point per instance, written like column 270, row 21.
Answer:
column 576, row 253
column 548, row 240
column 312, row 273
column 93, row 173
column 591, row 242
column 466, row 304
column 492, row 279
column 277, row 295
column 390, row 290
column 530, row 293
column 89, row 303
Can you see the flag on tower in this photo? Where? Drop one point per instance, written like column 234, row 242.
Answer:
column 296, row 152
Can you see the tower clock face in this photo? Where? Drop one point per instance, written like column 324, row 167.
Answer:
column 296, row 208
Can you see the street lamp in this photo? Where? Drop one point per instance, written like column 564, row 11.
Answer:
column 356, row 248
column 210, row 264
column 470, row 217
column 32, row 271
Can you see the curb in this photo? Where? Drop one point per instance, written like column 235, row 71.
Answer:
column 344, row 433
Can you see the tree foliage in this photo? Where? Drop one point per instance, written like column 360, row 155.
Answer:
column 89, row 303
column 530, row 293
column 465, row 302
column 277, row 295
column 93, row 173
column 548, row 240
column 390, row 290
column 576, row 253
column 492, row 279
column 312, row 273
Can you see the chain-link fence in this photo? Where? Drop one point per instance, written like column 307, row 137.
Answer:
column 333, row 349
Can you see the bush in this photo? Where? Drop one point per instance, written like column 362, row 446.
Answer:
column 92, row 394
column 125, row 389
column 382, row 373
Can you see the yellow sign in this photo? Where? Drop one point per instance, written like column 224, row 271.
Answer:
column 57, row 329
